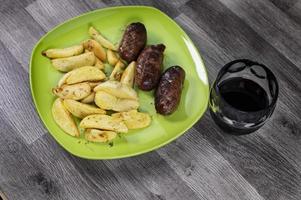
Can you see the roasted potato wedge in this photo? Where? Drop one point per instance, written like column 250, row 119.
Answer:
column 95, row 135
column 128, row 75
column 62, row 81
column 89, row 98
column 104, row 122
column 86, row 73
column 104, row 100
column 117, row 89
column 81, row 110
column 109, row 102
column 99, row 38
column 70, row 63
column 125, row 105
column 63, row 118
column 117, row 71
column 96, row 48
column 112, row 57
column 134, row 119
column 65, row 52
column 76, row 91
column 99, row 64
column 94, row 84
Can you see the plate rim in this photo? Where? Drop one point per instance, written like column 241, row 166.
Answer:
column 146, row 150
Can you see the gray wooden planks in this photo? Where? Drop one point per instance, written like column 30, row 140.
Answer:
column 257, row 161
column 205, row 170
column 155, row 175
column 284, row 4
column 16, row 102
column 294, row 12
column 21, row 175
column 94, row 179
column 283, row 34
column 214, row 60
column 18, row 38
column 240, row 41
column 202, row 164
column 73, row 175
column 51, row 13
column 205, row 42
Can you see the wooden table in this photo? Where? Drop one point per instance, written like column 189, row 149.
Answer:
column 202, row 164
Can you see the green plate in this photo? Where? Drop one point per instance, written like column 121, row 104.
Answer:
column 111, row 22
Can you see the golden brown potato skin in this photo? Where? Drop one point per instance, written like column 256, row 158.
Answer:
column 168, row 93
column 133, row 41
column 148, row 68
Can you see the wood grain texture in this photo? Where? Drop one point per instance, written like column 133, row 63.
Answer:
column 283, row 34
column 19, row 38
column 280, row 118
column 239, row 40
column 43, row 11
column 202, row 164
column 16, row 102
column 284, row 4
column 22, row 176
column 294, row 12
column 195, row 160
column 79, row 180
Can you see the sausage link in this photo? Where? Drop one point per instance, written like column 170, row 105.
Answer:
column 149, row 67
column 133, row 41
column 168, row 93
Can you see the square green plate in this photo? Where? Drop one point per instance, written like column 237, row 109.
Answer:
column 111, row 22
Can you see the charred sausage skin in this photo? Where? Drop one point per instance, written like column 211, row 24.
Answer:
column 133, row 41
column 149, row 67
column 168, row 93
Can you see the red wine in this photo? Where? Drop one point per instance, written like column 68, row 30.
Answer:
column 244, row 94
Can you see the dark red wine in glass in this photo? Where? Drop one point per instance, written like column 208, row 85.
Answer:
column 243, row 96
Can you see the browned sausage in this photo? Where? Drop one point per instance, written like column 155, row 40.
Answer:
column 168, row 93
column 149, row 67
column 133, row 41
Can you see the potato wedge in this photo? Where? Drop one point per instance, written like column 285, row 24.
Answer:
column 86, row 73
column 81, row 110
column 94, row 84
column 117, row 71
column 109, row 102
column 63, row 118
column 89, row 98
column 134, row 119
column 99, row 38
column 95, row 135
column 65, row 52
column 112, row 57
column 96, row 48
column 70, row 63
column 99, row 64
column 104, row 122
column 62, row 81
column 117, row 89
column 104, row 100
column 125, row 105
column 128, row 75
column 75, row 91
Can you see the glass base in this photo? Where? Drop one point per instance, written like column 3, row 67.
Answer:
column 230, row 129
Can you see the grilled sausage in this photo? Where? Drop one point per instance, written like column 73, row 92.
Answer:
column 133, row 41
column 149, row 67
column 168, row 93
